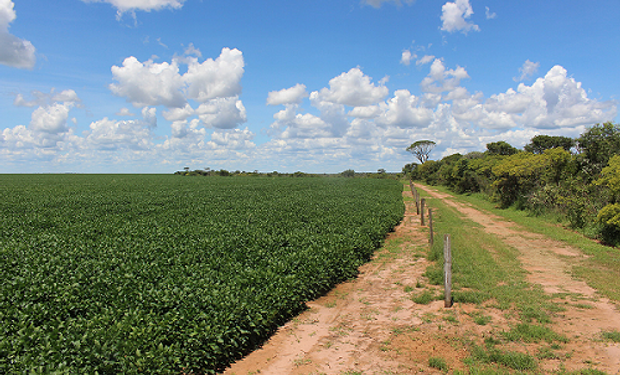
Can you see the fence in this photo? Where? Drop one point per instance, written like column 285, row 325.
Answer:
column 420, row 204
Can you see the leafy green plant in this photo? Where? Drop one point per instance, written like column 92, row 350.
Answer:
column 438, row 363
column 424, row 298
column 160, row 274
column 533, row 333
column 611, row 336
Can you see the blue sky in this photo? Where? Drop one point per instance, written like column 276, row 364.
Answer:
column 318, row 86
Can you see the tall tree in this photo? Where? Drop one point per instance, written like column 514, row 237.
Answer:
column 501, row 148
column 540, row 143
column 598, row 144
column 421, row 149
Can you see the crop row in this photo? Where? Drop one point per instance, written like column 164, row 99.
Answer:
column 162, row 274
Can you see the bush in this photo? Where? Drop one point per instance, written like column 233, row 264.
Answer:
column 609, row 218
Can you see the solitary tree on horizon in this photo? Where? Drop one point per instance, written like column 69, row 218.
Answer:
column 421, row 149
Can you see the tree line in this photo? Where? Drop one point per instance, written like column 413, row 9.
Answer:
column 576, row 179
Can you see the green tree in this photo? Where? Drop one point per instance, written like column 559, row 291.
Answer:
column 540, row 143
column 609, row 218
column 597, row 145
column 501, row 148
column 421, row 149
column 610, row 177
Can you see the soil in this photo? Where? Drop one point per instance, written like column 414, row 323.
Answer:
column 371, row 325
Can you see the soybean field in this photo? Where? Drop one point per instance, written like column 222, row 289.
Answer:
column 165, row 274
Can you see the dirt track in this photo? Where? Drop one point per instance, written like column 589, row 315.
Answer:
column 371, row 325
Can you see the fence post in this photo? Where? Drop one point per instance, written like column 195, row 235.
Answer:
column 430, row 226
column 422, row 211
column 417, row 203
column 447, row 271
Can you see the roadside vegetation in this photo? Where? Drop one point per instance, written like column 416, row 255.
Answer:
column 488, row 274
column 573, row 181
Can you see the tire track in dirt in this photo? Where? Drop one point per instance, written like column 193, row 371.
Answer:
column 549, row 263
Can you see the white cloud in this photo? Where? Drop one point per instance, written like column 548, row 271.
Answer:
column 44, row 99
column 14, row 52
column 235, row 139
column 148, row 83
column 404, row 111
column 50, row 119
column 424, row 60
column 441, row 80
column 370, row 111
column 179, row 114
column 112, row 135
column 123, row 6
column 527, row 70
column 293, row 95
column 215, row 78
column 490, row 15
column 406, row 57
column 354, row 89
column 153, row 84
column 149, row 115
column 124, row 112
column 454, row 17
column 378, row 3
column 222, row 113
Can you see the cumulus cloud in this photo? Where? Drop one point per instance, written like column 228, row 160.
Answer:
column 235, row 139
column 454, row 17
column 50, row 119
column 441, row 79
column 527, row 70
column 112, row 135
column 215, row 78
column 222, row 113
column 406, row 57
column 14, row 52
column 148, row 83
column 179, row 114
column 293, row 95
column 354, row 89
column 460, row 121
column 153, row 84
column 404, row 110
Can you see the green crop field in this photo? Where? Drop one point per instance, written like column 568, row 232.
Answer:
column 162, row 274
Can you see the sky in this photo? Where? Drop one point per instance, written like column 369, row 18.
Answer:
column 153, row 86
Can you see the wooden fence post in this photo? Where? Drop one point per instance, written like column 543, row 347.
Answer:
column 422, row 211
column 417, row 203
column 430, row 226
column 447, row 271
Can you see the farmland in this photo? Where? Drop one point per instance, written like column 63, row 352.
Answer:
column 167, row 274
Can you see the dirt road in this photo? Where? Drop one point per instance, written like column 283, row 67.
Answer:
column 371, row 325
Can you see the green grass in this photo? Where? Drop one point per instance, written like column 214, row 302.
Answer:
column 438, row 363
column 484, row 268
column 510, row 359
column 598, row 270
column 424, row 298
column 611, row 336
column 529, row 333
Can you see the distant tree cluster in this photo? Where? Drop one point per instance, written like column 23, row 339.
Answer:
column 577, row 179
